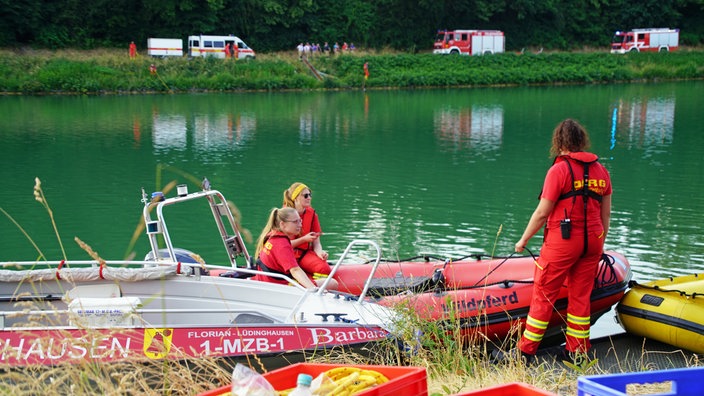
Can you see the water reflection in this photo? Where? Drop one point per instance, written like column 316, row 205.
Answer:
column 477, row 127
column 222, row 131
column 211, row 132
column 655, row 232
column 646, row 122
column 307, row 127
column 241, row 127
column 314, row 122
column 169, row 132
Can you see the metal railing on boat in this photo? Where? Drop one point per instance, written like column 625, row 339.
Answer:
column 342, row 258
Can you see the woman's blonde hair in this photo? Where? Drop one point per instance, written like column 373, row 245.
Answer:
column 276, row 217
column 569, row 135
column 291, row 193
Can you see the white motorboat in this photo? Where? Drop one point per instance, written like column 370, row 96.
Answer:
column 170, row 306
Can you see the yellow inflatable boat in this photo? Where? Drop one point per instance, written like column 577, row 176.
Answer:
column 668, row 310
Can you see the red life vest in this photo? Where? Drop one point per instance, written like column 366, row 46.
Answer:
column 580, row 188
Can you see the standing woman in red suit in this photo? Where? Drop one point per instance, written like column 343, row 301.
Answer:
column 574, row 209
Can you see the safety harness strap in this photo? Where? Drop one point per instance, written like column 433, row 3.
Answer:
column 585, row 187
column 263, row 267
column 585, row 195
column 585, row 192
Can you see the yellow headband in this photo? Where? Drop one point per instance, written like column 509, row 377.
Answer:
column 298, row 190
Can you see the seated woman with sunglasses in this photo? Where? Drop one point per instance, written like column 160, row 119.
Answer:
column 274, row 252
column 306, row 245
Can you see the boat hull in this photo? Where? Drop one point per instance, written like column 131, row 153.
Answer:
column 23, row 347
column 176, row 317
column 669, row 310
column 170, row 305
column 485, row 299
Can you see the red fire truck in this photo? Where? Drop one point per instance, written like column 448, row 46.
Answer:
column 469, row 42
column 637, row 40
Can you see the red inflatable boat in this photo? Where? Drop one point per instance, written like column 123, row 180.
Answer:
column 485, row 297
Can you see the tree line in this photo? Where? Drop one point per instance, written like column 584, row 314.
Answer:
column 274, row 25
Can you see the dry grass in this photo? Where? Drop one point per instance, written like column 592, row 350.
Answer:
column 170, row 377
column 193, row 376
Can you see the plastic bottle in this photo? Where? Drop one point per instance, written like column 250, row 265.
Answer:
column 302, row 386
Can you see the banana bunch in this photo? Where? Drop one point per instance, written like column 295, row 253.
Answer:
column 348, row 380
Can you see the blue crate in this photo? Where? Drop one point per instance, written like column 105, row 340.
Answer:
column 685, row 382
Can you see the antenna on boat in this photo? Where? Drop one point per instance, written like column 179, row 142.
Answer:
column 144, row 197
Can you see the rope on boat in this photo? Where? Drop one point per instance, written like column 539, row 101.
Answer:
column 633, row 284
column 606, row 274
column 497, row 267
column 428, row 257
column 504, row 282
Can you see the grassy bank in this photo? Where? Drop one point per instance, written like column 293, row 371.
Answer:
column 111, row 71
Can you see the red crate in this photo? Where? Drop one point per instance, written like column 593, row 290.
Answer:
column 402, row 380
column 510, row 389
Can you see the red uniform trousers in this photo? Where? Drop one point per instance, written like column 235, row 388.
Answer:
column 313, row 265
column 562, row 259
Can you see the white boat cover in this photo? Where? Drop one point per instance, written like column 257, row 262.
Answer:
column 87, row 274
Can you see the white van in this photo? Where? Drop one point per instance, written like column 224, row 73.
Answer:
column 162, row 47
column 204, row 46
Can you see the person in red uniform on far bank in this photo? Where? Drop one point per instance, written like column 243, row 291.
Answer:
column 274, row 252
column 133, row 50
column 575, row 208
column 309, row 251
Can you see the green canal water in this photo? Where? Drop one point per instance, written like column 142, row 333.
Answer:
column 448, row 171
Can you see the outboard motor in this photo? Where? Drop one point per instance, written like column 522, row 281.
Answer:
column 182, row 256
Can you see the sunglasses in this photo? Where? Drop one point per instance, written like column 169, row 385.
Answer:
column 307, row 195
